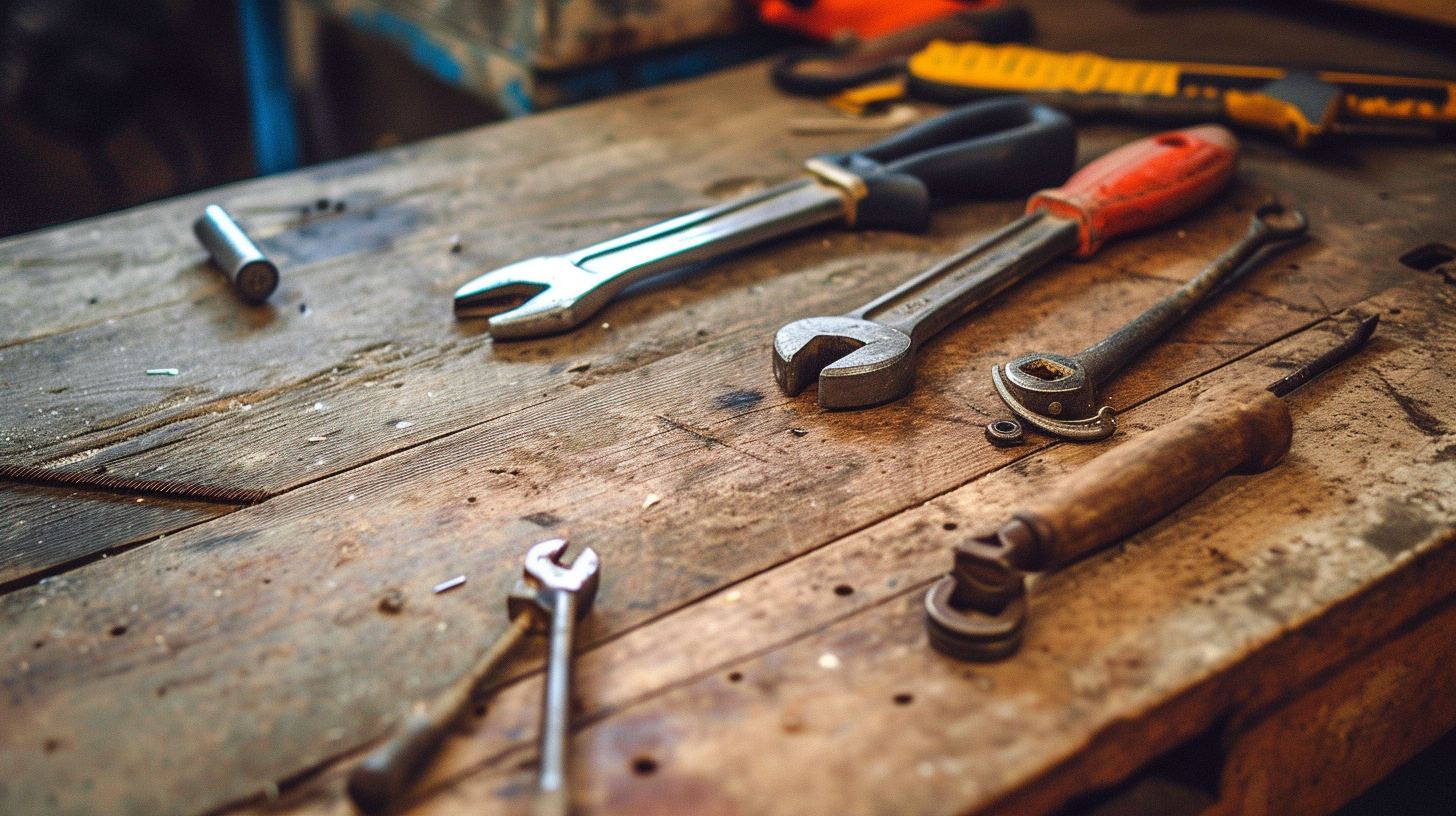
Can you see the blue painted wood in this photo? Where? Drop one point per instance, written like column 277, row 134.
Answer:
column 275, row 134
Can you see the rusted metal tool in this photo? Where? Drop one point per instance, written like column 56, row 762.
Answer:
column 377, row 783
column 99, row 480
column 1004, row 147
column 978, row 611
column 1058, row 394
column 867, row 357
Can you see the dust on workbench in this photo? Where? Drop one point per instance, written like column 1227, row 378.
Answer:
column 408, row 449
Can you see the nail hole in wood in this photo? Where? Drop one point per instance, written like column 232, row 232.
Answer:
column 843, row 589
column 52, row 745
column 118, row 630
column 735, row 677
column 903, row 698
column 644, row 766
column 949, row 525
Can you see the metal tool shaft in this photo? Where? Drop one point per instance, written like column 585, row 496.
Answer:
column 1058, row 394
column 1107, row 356
column 1356, row 341
column 923, row 306
column 556, row 708
column 713, row 232
column 378, row 781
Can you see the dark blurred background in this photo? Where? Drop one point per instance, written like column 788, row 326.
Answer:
column 105, row 104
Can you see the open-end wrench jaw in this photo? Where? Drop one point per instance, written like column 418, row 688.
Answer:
column 544, row 575
column 857, row 362
column 532, row 298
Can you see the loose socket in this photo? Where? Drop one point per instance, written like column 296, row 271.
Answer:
column 252, row 274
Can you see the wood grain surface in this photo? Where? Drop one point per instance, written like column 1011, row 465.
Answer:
column 757, row 645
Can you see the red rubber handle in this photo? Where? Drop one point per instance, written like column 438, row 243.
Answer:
column 1143, row 184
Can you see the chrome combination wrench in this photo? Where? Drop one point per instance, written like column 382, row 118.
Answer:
column 998, row 148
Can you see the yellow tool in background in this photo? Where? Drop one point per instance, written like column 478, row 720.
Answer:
column 1301, row 105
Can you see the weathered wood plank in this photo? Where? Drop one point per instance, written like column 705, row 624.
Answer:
column 782, row 694
column 254, row 641
column 44, row 527
column 282, row 411
column 332, row 557
column 1317, row 752
column 548, row 184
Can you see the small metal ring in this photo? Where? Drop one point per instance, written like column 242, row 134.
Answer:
column 1005, row 433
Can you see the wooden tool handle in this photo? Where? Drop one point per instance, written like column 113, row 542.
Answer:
column 378, row 780
column 1143, row 184
column 1239, row 427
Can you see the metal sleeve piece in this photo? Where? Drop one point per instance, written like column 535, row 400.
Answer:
column 252, row 274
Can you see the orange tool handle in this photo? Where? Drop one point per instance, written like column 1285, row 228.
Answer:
column 1143, row 184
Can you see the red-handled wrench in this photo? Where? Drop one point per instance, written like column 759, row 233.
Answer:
column 867, row 357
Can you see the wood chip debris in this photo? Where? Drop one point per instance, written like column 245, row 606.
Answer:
column 652, row 498
column 579, row 367
column 446, row 586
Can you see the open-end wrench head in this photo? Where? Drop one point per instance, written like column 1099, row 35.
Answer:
column 544, row 568
column 532, row 298
column 1052, row 385
column 857, row 362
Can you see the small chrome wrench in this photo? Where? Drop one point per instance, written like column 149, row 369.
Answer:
column 1058, row 394
column 561, row 589
column 996, row 148
column 868, row 356
column 381, row 779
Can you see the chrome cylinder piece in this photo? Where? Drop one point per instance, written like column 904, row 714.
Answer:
column 252, row 274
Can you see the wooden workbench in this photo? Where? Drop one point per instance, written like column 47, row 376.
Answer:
column 758, row 645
